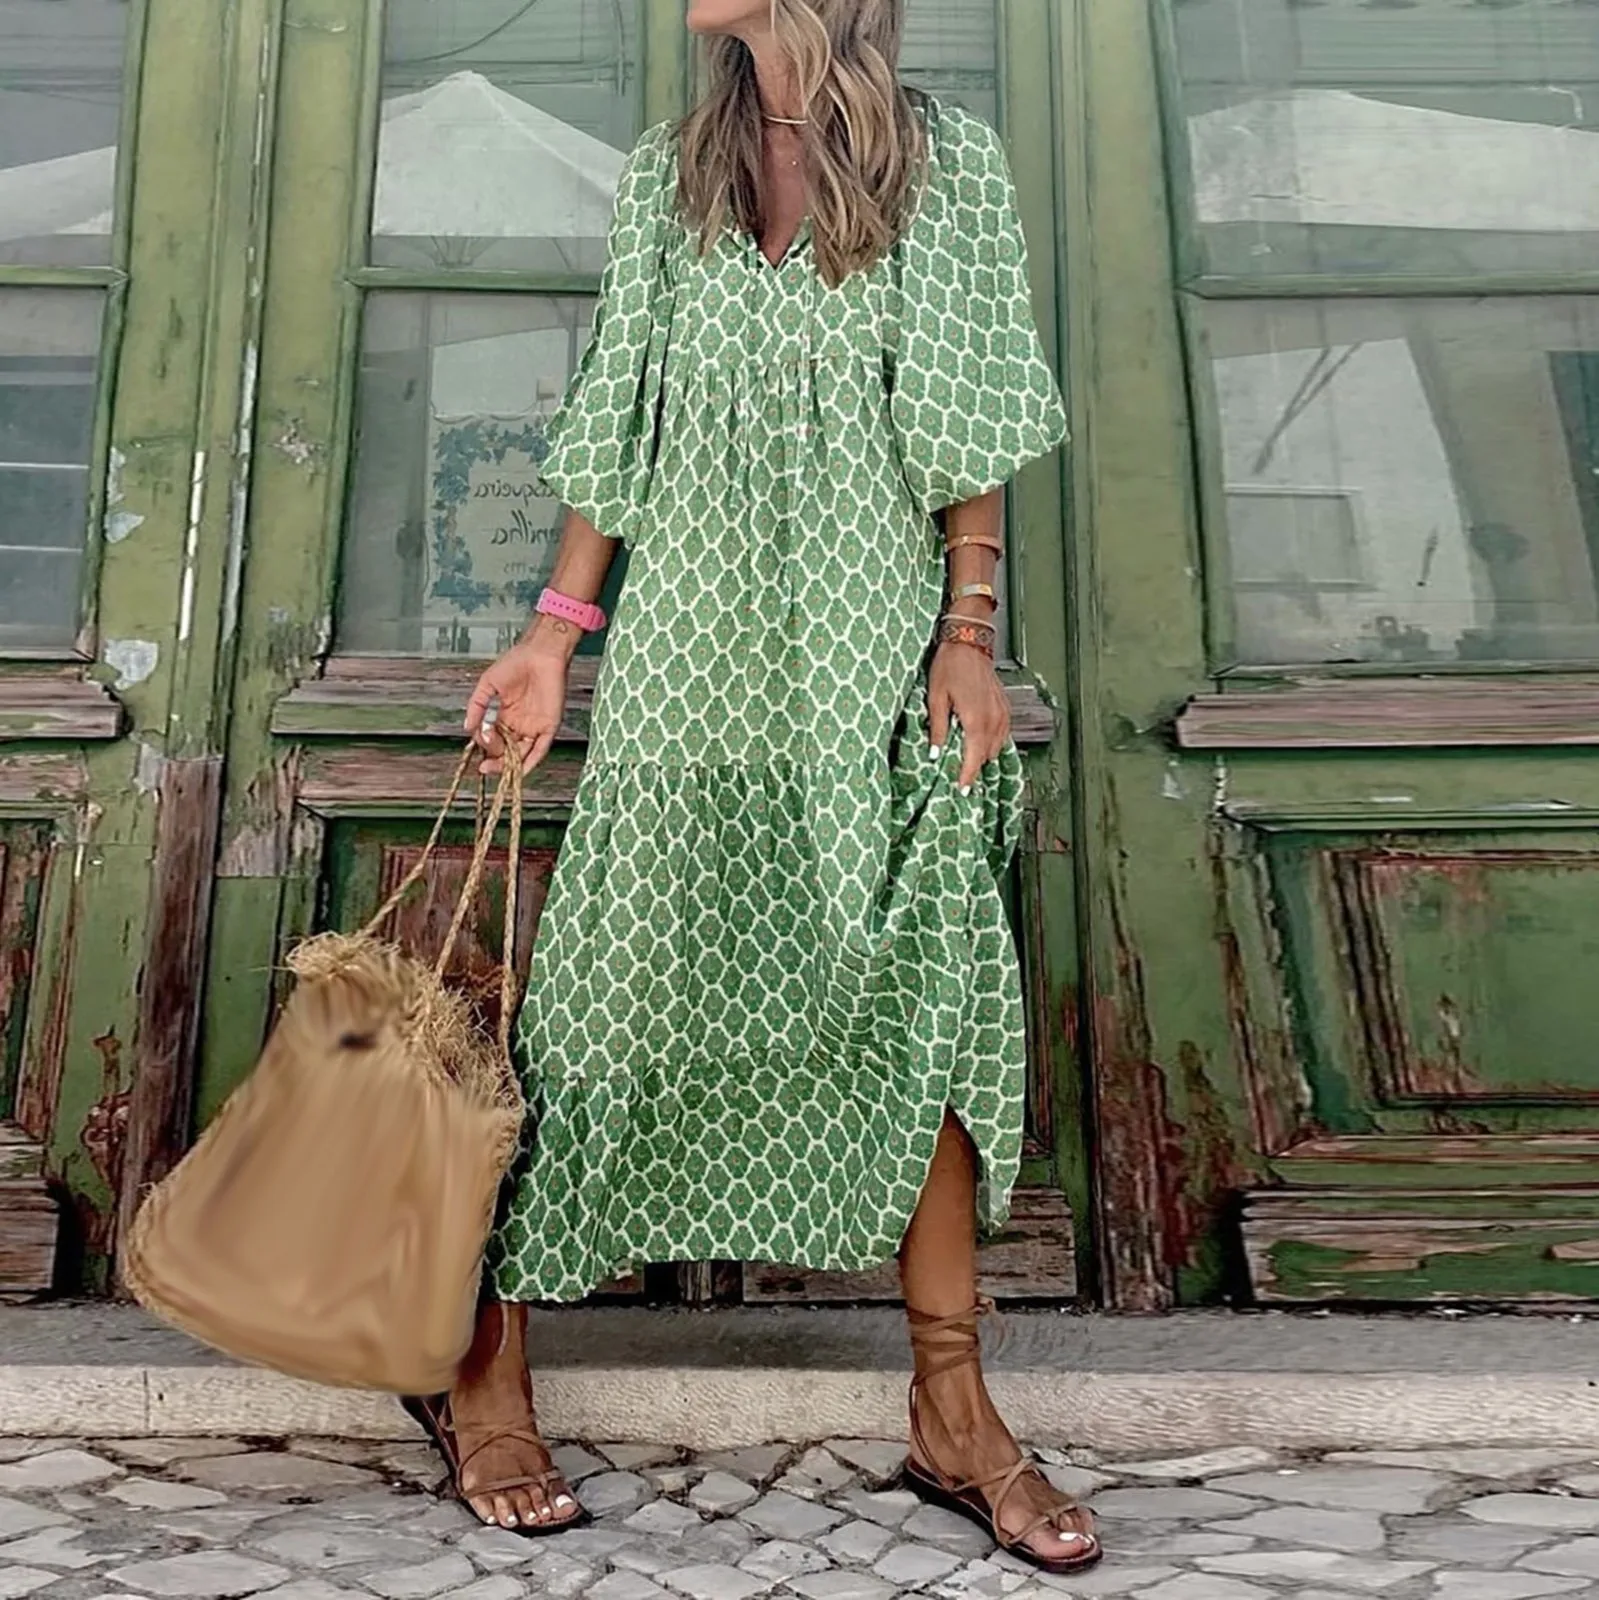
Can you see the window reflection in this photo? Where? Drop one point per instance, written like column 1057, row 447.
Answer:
column 951, row 50
column 504, row 126
column 1435, row 139
column 48, row 358
column 60, row 103
column 448, row 539
column 1406, row 480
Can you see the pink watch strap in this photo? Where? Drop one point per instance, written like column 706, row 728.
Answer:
column 581, row 613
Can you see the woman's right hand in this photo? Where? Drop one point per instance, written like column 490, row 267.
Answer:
column 529, row 681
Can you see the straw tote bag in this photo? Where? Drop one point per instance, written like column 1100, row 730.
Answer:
column 330, row 1222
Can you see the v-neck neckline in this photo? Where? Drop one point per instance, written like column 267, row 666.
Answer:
column 802, row 236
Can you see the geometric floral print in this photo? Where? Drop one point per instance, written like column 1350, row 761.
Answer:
column 774, row 949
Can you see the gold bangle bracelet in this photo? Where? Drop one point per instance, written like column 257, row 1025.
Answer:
column 970, row 591
column 986, row 540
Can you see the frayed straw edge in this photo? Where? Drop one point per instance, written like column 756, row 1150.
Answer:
column 435, row 1024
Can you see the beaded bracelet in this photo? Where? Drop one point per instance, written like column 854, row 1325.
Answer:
column 967, row 630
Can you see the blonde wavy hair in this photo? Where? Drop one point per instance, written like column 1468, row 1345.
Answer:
column 865, row 145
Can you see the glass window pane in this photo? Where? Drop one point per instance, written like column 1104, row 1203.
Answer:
column 1406, row 480
column 504, row 127
column 60, row 105
column 49, row 341
column 448, row 540
column 952, row 50
column 1350, row 136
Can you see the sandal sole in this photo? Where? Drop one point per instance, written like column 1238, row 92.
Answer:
column 419, row 1413
column 935, row 1494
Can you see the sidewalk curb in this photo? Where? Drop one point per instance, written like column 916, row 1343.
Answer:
column 711, row 1408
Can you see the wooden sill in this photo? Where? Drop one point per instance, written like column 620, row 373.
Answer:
column 388, row 697
column 64, row 705
column 1356, row 714
column 29, row 1216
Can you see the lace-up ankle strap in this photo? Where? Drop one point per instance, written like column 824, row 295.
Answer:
column 940, row 1344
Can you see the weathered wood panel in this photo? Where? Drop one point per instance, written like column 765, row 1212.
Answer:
column 1034, row 1258
column 160, row 1099
column 1452, row 955
column 41, row 1069
column 374, row 696
column 1362, row 714
column 24, row 856
column 377, row 780
column 30, row 1227
column 20, row 1156
column 1397, row 1246
column 1260, row 1012
column 29, row 1216
column 1441, row 1161
column 1051, row 1014
column 422, row 921
column 36, row 778
column 50, row 706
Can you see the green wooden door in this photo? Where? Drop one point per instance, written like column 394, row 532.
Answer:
column 436, row 182
column 128, row 132
column 1337, row 645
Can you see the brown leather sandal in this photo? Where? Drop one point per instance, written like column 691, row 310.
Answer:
column 437, row 1421
column 943, row 1344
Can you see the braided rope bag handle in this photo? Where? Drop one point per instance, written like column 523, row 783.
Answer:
column 507, row 795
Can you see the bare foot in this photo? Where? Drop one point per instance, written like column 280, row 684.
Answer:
column 491, row 1409
column 968, row 1442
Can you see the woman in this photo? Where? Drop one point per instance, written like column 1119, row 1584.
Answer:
column 774, row 1012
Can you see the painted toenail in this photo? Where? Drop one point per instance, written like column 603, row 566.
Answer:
column 562, row 1501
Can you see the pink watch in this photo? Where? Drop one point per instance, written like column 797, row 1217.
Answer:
column 580, row 613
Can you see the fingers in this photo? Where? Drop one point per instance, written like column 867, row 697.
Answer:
column 986, row 732
column 536, row 751
column 938, row 708
column 483, row 696
column 972, row 759
column 532, row 748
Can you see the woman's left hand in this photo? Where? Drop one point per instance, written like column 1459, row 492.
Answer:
column 962, row 682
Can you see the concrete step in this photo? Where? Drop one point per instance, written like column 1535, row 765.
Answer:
column 720, row 1379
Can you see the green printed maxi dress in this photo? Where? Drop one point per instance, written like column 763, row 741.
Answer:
column 774, row 949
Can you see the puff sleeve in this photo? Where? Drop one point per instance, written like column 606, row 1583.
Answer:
column 972, row 398
column 601, row 441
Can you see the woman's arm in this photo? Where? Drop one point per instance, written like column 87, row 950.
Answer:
column 961, row 681
column 979, row 519
column 582, row 562
column 529, row 680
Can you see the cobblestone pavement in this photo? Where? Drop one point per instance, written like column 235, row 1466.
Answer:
column 322, row 1519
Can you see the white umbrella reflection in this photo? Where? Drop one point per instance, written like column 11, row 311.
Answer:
column 1324, row 156
column 463, row 168
column 465, row 165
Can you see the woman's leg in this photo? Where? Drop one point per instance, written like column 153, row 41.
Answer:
column 964, row 1433
column 494, row 1392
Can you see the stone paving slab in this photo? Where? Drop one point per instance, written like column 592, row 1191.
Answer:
column 320, row 1519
